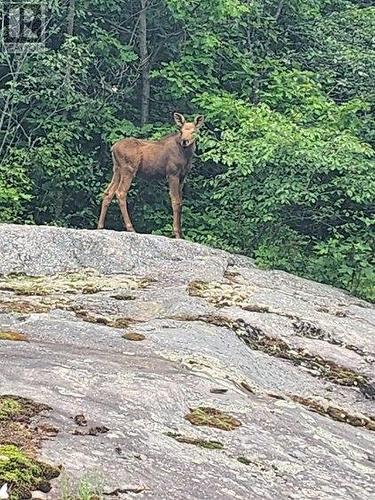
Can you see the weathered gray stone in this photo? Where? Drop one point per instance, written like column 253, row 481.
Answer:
column 282, row 346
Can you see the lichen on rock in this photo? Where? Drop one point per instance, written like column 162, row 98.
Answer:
column 87, row 281
column 222, row 294
column 14, row 336
column 258, row 356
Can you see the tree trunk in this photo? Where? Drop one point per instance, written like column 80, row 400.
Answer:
column 145, row 65
column 70, row 18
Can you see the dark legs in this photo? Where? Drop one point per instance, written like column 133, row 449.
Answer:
column 120, row 185
column 175, row 191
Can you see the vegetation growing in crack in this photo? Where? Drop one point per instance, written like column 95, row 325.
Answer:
column 256, row 339
column 311, row 331
column 14, row 305
column 112, row 320
column 122, row 296
column 212, row 417
column 89, row 487
column 201, row 443
column 335, row 413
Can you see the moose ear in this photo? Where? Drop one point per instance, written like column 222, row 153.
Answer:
column 198, row 122
column 179, row 119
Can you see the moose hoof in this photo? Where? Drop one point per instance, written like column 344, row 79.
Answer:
column 130, row 229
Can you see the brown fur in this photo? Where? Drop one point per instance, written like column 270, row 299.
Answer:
column 170, row 157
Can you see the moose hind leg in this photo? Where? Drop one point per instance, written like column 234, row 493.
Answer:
column 108, row 195
column 121, row 194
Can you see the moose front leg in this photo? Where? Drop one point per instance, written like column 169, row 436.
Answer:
column 175, row 193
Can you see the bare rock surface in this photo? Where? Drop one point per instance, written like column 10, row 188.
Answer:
column 126, row 334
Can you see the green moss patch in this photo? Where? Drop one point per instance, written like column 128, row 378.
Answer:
column 212, row 417
column 18, row 408
column 15, row 336
column 15, row 417
column 201, row 443
column 22, row 473
column 9, row 408
column 18, row 446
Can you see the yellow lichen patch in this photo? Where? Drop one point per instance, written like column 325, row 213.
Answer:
column 223, row 294
column 134, row 336
column 15, row 336
column 85, row 282
column 213, row 418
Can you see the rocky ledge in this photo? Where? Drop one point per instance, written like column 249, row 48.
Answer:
column 139, row 366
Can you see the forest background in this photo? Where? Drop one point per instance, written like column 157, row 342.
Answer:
column 284, row 170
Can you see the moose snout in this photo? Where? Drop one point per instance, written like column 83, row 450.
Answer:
column 185, row 142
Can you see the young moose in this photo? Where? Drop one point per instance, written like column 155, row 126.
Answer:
column 169, row 157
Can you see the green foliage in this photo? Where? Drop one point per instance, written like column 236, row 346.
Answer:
column 22, row 473
column 8, row 408
column 285, row 167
